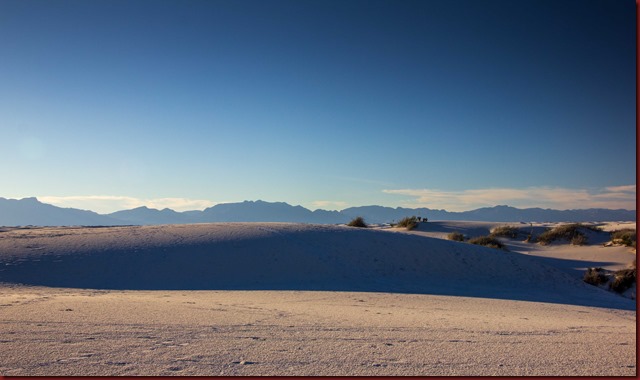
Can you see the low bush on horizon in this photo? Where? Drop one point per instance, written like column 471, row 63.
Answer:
column 357, row 222
column 455, row 236
column 595, row 276
column 505, row 231
column 569, row 232
column 487, row 241
column 409, row 222
column 625, row 236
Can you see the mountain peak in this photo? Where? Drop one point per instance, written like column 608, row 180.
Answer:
column 31, row 211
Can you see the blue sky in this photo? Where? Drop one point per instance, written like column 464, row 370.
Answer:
column 461, row 104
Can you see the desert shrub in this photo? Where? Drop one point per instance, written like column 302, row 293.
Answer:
column 626, row 236
column 409, row 222
column 579, row 239
column 357, row 222
column 595, row 276
column 505, row 231
column 455, row 236
column 565, row 232
column 487, row 241
column 623, row 279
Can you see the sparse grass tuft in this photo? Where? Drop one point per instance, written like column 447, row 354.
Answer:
column 618, row 281
column 487, row 241
column 625, row 236
column 579, row 239
column 505, row 231
column 623, row 280
column 455, row 236
column 357, row 222
column 570, row 232
column 595, row 276
column 409, row 223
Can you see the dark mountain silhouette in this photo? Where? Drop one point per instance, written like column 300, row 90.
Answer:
column 258, row 211
column 261, row 211
column 30, row 211
column 145, row 215
column 507, row 213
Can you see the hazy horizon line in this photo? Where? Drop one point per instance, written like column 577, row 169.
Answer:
column 107, row 204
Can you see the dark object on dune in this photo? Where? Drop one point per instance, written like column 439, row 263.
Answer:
column 623, row 280
column 487, row 241
column 408, row 222
column 357, row 222
column 625, row 236
column 595, row 276
column 455, row 236
column 570, row 232
column 505, row 231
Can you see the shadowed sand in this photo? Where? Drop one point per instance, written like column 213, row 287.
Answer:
column 235, row 299
column 571, row 259
column 279, row 256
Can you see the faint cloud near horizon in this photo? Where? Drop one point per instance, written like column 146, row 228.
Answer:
column 333, row 205
column 614, row 197
column 105, row 204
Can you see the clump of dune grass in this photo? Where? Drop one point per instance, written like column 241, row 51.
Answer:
column 409, row 222
column 568, row 232
column 623, row 279
column 619, row 281
column 625, row 236
column 505, row 231
column 357, row 222
column 455, row 236
column 487, row 241
column 579, row 239
column 595, row 276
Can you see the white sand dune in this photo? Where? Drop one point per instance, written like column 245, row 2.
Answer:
column 278, row 256
column 571, row 259
column 293, row 299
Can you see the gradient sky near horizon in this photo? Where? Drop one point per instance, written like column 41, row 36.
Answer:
column 113, row 104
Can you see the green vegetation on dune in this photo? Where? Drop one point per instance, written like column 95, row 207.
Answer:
column 625, row 236
column 409, row 222
column 623, row 279
column 505, row 231
column 618, row 281
column 357, row 222
column 595, row 276
column 488, row 241
column 455, row 236
column 569, row 232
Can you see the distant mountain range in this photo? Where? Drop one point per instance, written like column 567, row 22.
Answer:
column 30, row 211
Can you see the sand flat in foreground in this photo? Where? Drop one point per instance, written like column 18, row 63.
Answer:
column 48, row 331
